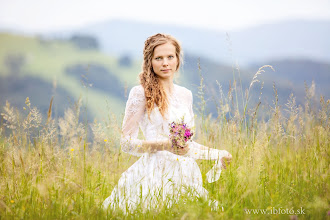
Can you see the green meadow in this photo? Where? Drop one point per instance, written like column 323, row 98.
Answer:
column 280, row 166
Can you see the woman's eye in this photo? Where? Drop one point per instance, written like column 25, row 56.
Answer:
column 158, row 58
column 171, row 57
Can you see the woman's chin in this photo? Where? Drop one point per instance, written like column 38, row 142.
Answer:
column 166, row 76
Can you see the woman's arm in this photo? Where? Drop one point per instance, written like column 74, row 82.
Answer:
column 198, row 151
column 154, row 146
column 134, row 112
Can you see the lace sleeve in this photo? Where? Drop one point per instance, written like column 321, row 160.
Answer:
column 134, row 111
column 198, row 151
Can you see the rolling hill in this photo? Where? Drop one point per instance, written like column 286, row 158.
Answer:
column 289, row 39
column 35, row 68
column 38, row 68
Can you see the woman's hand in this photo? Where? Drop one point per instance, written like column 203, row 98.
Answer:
column 177, row 150
column 180, row 150
column 226, row 160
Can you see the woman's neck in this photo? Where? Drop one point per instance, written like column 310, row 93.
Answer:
column 168, row 86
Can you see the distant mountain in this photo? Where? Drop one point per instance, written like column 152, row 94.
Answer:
column 283, row 40
column 290, row 76
column 38, row 68
column 288, row 39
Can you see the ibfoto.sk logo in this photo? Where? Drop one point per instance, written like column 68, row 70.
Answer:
column 276, row 211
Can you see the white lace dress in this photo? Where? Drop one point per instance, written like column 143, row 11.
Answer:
column 160, row 176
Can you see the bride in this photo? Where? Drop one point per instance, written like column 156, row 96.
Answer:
column 163, row 172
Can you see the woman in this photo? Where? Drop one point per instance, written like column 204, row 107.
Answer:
column 163, row 172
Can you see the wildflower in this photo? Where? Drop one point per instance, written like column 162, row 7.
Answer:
column 177, row 158
column 12, row 201
column 179, row 133
column 72, row 150
column 105, row 140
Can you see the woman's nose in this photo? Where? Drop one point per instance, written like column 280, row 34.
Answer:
column 165, row 62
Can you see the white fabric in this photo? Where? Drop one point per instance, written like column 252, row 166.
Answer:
column 160, row 176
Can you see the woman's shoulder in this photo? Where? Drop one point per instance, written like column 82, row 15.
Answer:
column 137, row 92
column 183, row 90
column 138, row 89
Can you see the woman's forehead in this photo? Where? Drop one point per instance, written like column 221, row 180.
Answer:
column 164, row 49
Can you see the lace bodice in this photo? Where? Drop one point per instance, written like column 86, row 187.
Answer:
column 157, row 127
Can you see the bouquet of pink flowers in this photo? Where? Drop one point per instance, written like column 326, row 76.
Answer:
column 180, row 133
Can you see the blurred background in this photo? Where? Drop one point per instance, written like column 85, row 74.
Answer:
column 93, row 49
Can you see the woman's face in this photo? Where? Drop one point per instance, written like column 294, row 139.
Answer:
column 164, row 61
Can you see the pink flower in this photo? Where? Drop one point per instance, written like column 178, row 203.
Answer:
column 179, row 134
column 187, row 133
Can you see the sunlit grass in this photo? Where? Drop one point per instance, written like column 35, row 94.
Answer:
column 50, row 169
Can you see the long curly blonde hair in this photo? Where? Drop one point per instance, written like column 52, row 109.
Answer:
column 153, row 90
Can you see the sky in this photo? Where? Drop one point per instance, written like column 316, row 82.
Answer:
column 52, row 15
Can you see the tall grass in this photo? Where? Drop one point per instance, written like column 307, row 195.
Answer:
column 50, row 170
